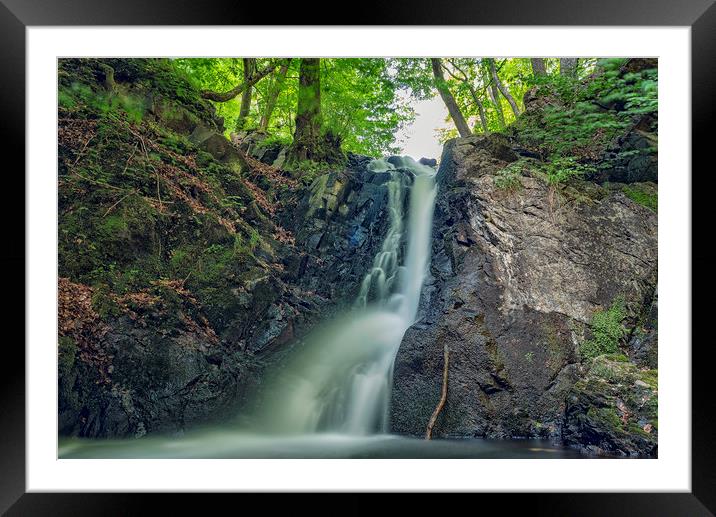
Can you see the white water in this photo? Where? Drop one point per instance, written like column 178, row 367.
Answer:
column 340, row 382
column 332, row 397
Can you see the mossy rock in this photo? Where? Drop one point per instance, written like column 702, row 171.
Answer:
column 614, row 409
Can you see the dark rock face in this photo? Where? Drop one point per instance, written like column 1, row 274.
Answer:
column 633, row 158
column 613, row 409
column 339, row 224
column 514, row 281
column 643, row 345
column 157, row 383
column 168, row 373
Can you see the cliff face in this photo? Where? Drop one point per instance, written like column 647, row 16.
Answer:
column 184, row 266
column 518, row 272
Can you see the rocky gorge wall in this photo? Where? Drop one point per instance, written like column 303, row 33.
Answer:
column 183, row 270
column 516, row 277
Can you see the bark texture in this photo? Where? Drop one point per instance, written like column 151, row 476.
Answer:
column 568, row 66
column 273, row 94
column 447, row 97
column 538, row 66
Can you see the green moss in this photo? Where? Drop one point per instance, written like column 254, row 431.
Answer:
column 273, row 140
column 644, row 196
column 606, row 416
column 67, row 351
column 651, row 377
column 114, row 224
column 605, row 370
column 104, row 304
column 620, row 358
column 107, row 103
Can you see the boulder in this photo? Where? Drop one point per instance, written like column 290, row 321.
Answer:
column 218, row 146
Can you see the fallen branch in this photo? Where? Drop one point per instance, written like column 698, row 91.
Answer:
column 443, row 395
column 118, row 202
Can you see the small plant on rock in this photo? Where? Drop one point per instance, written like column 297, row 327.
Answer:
column 607, row 331
column 564, row 168
column 509, row 178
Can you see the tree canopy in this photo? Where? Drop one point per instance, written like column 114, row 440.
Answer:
column 363, row 102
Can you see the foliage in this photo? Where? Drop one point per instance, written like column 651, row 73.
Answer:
column 359, row 99
column 469, row 79
column 583, row 116
column 561, row 169
column 607, row 331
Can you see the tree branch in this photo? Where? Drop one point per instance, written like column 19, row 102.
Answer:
column 255, row 78
column 443, row 394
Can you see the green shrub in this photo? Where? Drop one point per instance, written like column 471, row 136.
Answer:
column 103, row 303
column 109, row 104
column 274, row 139
column 607, row 331
column 581, row 118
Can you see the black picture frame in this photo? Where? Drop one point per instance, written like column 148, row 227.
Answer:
column 700, row 15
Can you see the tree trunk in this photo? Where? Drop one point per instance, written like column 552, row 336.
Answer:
column 568, row 66
column 481, row 109
column 495, row 98
column 538, row 67
column 249, row 71
column 308, row 141
column 462, row 128
column 503, row 89
column 272, row 96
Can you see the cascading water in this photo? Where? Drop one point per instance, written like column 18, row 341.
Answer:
column 341, row 380
column 332, row 398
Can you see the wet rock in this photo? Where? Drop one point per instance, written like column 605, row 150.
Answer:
column 644, row 342
column 340, row 223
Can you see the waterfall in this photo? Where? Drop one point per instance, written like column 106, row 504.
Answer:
column 331, row 399
column 341, row 380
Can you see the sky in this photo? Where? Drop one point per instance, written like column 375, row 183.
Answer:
column 420, row 139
